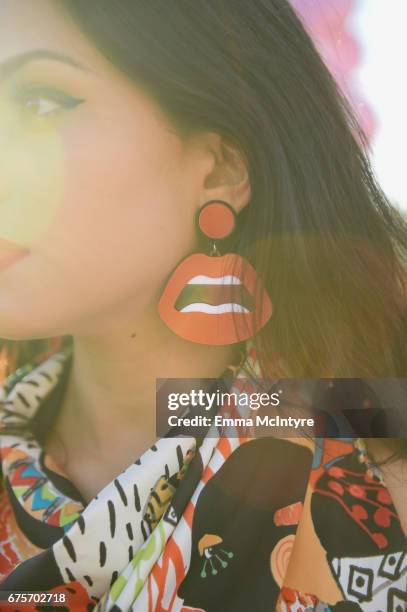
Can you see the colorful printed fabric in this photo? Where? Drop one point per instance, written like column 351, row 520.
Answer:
column 224, row 523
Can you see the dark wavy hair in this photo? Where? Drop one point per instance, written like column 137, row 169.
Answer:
column 324, row 238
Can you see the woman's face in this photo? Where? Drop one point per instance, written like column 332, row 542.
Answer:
column 95, row 185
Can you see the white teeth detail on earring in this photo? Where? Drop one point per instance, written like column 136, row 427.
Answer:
column 201, row 279
column 214, row 309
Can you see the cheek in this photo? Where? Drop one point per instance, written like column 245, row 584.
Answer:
column 112, row 218
column 126, row 218
column 31, row 182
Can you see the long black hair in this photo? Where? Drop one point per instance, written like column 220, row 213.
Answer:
column 319, row 230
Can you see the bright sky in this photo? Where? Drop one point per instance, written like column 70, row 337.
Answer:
column 380, row 27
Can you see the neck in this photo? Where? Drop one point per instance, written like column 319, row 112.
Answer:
column 111, row 389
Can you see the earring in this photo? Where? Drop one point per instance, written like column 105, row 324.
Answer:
column 215, row 299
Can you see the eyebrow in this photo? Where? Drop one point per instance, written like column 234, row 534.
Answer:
column 15, row 62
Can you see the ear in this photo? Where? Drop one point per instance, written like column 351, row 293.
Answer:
column 228, row 178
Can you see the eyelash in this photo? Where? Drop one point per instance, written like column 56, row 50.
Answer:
column 64, row 101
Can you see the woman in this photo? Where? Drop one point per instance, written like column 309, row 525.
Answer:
column 126, row 125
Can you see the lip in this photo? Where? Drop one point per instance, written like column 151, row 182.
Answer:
column 10, row 253
column 222, row 324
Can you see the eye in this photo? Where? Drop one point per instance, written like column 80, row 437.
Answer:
column 42, row 106
column 208, row 552
column 43, row 102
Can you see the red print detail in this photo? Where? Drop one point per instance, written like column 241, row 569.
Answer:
column 383, row 496
column 335, row 486
column 380, row 540
column 289, row 515
column 20, row 478
column 359, row 512
column 292, row 598
column 382, row 517
column 288, row 595
column 365, row 500
column 5, row 566
column 356, row 491
column 336, row 472
column 8, row 557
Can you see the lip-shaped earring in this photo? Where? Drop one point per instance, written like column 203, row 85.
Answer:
column 215, row 299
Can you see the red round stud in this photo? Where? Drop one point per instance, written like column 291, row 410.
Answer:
column 216, row 220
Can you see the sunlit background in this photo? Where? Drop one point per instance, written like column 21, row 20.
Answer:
column 364, row 43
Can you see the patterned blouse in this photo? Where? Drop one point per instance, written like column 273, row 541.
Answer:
column 218, row 523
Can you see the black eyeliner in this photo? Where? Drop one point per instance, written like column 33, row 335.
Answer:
column 23, row 92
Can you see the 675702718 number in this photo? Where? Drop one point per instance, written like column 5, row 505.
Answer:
column 34, row 597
